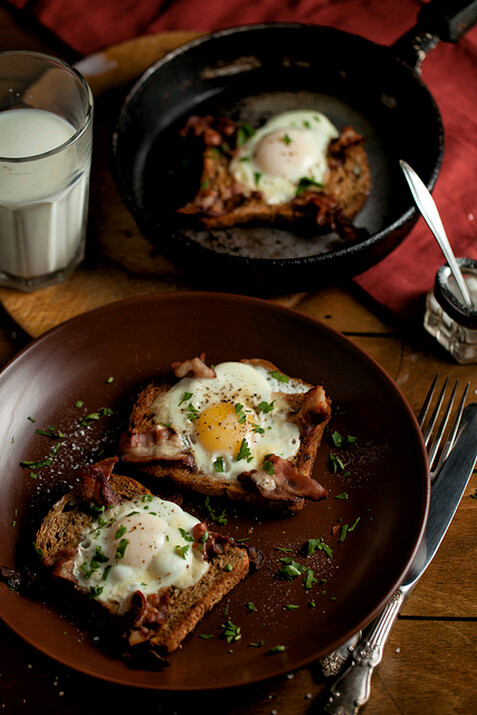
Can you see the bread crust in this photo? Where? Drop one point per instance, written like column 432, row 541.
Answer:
column 60, row 533
column 142, row 419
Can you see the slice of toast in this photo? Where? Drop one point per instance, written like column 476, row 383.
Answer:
column 284, row 486
column 161, row 620
column 222, row 203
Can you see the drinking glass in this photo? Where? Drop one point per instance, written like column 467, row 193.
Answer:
column 46, row 118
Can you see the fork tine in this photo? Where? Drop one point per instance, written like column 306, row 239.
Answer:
column 443, row 424
column 425, row 406
column 433, row 418
column 453, row 431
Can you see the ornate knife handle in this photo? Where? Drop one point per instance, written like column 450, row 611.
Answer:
column 352, row 689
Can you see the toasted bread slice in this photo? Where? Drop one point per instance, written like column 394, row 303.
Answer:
column 161, row 619
column 283, row 485
column 222, row 203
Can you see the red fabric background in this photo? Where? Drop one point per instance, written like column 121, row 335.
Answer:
column 401, row 280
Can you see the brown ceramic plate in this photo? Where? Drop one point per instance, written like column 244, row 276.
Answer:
column 133, row 341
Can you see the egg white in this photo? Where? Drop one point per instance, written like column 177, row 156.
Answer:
column 290, row 147
column 256, row 419
column 143, row 544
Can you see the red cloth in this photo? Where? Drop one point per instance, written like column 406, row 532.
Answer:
column 400, row 281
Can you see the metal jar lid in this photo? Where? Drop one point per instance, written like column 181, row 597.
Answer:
column 448, row 294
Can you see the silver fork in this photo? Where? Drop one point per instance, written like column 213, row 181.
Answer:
column 439, row 445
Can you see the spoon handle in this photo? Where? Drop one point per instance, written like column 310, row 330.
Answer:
column 428, row 209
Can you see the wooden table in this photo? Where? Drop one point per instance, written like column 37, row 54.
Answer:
column 429, row 662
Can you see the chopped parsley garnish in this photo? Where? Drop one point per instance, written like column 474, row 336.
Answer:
column 36, row 465
column 267, row 466
column 79, row 403
column 241, row 416
column 258, row 429
column 182, row 550
column 286, row 139
column 340, row 441
column 292, row 606
column 265, row 407
column 186, row 397
column 120, row 532
column 318, row 545
column 244, row 132
column 257, row 644
column 192, row 412
column 277, row 649
column 343, row 495
column 244, row 451
column 51, row 432
column 106, row 572
column 186, row 535
column 251, row 606
column 98, row 558
column 344, row 531
column 206, row 636
column 257, row 176
column 304, row 184
column 310, row 579
column 121, row 550
column 337, row 464
column 231, row 632
column 219, row 465
column 214, row 515
column 109, row 380
column 95, row 591
column 147, row 497
column 278, row 375
column 204, row 537
column 291, row 569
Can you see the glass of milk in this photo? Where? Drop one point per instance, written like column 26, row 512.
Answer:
column 46, row 121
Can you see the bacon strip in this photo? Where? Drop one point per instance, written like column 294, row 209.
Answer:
column 315, row 409
column 94, row 487
column 159, row 443
column 286, row 484
column 214, row 544
column 148, row 614
column 193, row 368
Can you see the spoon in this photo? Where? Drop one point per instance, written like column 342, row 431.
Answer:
column 427, row 206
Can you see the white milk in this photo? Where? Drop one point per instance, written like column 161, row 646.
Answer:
column 42, row 202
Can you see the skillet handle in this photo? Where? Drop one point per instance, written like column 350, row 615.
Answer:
column 437, row 21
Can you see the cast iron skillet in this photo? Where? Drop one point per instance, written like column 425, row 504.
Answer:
column 250, row 73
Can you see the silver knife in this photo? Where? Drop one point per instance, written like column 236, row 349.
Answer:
column 351, row 689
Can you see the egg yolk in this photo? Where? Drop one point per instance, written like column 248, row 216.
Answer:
column 219, row 429
column 286, row 154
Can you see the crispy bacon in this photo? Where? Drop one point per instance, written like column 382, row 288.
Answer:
column 214, row 543
column 147, row 615
column 214, row 130
column 193, row 368
column 159, row 443
column 315, row 409
column 286, row 483
column 94, row 487
column 62, row 563
column 348, row 137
